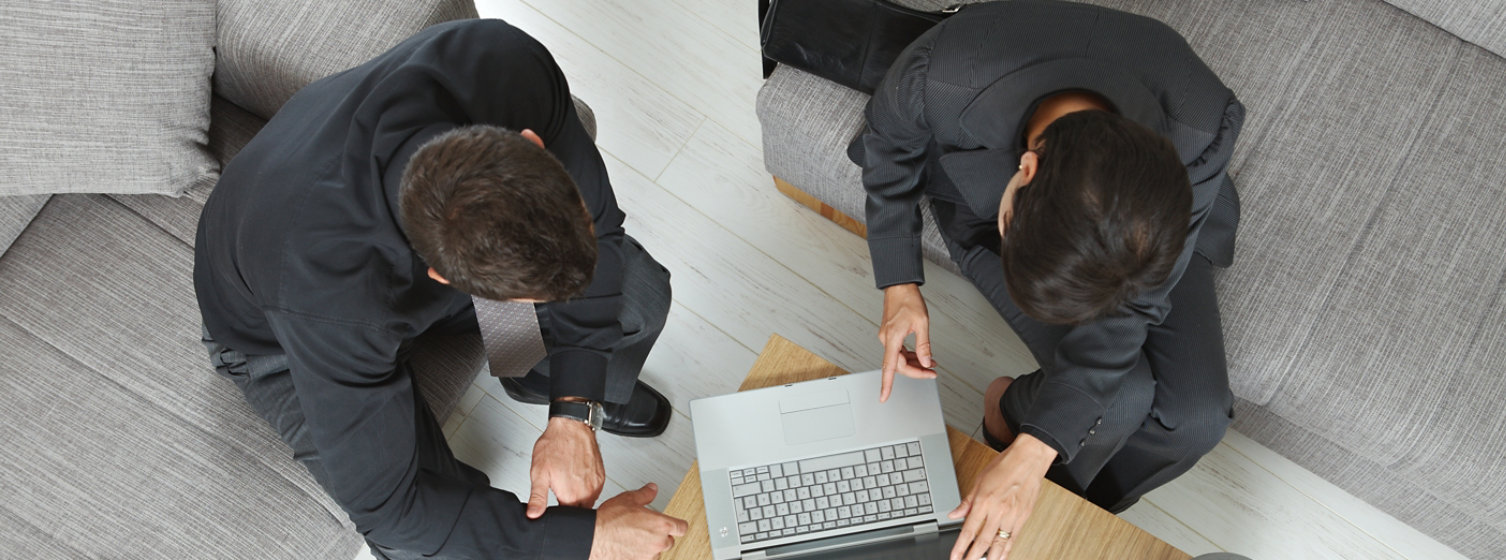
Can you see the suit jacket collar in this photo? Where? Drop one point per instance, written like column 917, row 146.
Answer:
column 996, row 120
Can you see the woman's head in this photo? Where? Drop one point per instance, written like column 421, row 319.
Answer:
column 1097, row 212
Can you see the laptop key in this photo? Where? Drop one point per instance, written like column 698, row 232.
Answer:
column 742, row 490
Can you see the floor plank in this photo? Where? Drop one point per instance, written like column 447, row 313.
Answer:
column 1399, row 536
column 1241, row 507
column 1166, row 527
column 635, row 116
column 695, row 63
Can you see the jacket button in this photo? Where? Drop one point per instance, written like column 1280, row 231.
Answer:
column 1083, row 443
column 1091, row 432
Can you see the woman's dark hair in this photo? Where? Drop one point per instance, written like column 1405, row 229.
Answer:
column 1104, row 218
column 497, row 216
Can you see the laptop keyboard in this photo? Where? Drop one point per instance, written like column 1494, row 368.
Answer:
column 830, row 492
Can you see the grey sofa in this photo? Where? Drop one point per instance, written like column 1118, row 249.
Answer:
column 1364, row 313
column 118, row 439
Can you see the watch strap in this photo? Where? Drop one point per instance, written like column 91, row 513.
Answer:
column 574, row 410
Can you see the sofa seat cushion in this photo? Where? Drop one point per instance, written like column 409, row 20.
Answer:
column 128, row 443
column 106, row 96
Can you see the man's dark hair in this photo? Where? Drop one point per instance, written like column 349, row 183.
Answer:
column 1104, row 218
column 497, row 216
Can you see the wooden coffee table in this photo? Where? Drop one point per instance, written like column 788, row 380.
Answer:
column 1063, row 525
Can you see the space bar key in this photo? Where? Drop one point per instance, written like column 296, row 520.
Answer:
column 832, row 462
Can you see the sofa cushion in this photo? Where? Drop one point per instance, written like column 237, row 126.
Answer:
column 129, row 444
column 230, row 130
column 270, row 50
column 106, row 96
column 15, row 213
column 1477, row 21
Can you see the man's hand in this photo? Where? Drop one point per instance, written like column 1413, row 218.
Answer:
column 905, row 313
column 567, row 461
column 627, row 530
column 1003, row 498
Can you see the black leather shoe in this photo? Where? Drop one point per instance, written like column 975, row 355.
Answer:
column 646, row 413
column 521, row 392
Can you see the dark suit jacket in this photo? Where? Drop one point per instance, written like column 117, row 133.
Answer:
column 949, row 121
column 300, row 252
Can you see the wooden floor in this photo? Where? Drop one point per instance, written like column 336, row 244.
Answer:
column 673, row 85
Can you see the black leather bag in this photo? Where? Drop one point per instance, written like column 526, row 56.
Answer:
column 851, row 42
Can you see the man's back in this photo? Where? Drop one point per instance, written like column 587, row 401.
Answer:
column 304, row 219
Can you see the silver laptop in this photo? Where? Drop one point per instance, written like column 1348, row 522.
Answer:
column 822, row 469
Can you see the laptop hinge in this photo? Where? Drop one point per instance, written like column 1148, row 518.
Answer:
column 920, row 531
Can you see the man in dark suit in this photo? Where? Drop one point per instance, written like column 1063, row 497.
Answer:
column 1075, row 160
column 368, row 212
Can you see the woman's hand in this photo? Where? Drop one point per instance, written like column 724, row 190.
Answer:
column 905, row 313
column 1002, row 499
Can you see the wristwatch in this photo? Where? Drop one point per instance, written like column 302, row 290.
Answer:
column 588, row 412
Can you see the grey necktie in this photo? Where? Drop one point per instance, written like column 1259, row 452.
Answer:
column 510, row 332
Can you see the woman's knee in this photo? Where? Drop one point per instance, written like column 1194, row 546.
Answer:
column 1197, row 427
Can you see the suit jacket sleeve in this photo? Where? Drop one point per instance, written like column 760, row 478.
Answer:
column 499, row 75
column 1093, row 358
column 359, row 411
column 892, row 150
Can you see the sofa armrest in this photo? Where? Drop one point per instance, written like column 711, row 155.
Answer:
column 269, row 49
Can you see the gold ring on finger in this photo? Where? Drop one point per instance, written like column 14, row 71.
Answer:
column 1004, row 534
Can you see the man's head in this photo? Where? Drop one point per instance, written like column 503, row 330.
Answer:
column 1097, row 212
column 495, row 215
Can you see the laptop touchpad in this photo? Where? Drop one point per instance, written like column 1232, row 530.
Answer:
column 816, row 417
